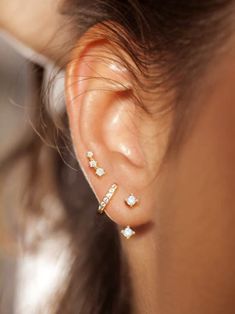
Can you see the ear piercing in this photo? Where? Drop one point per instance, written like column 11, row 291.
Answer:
column 94, row 164
column 127, row 232
column 107, row 198
column 131, row 200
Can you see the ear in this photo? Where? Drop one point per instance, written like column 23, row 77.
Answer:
column 106, row 120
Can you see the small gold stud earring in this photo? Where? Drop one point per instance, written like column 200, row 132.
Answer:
column 131, row 200
column 94, row 164
column 127, row 232
column 107, row 198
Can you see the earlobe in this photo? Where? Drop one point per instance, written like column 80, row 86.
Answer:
column 105, row 120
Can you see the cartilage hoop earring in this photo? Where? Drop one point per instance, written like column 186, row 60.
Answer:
column 94, row 164
column 107, row 198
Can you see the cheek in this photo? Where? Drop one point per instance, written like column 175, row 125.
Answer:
column 201, row 179
column 210, row 150
column 197, row 215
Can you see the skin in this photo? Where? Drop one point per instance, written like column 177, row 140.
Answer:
column 37, row 25
column 182, row 258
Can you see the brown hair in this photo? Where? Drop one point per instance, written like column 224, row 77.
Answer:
column 173, row 39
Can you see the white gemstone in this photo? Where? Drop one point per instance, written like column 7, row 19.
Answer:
column 128, row 232
column 106, row 200
column 131, row 200
column 93, row 163
column 89, row 154
column 100, row 172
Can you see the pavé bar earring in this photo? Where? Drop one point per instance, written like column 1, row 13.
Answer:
column 107, row 198
column 94, row 164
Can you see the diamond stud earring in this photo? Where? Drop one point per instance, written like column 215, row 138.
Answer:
column 128, row 232
column 107, row 198
column 131, row 200
column 94, row 164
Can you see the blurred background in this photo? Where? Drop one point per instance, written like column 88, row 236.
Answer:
column 15, row 84
column 27, row 277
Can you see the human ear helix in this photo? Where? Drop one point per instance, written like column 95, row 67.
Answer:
column 94, row 164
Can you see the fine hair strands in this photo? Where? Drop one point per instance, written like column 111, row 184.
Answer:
column 168, row 43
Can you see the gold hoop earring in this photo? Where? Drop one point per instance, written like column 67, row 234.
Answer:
column 107, row 198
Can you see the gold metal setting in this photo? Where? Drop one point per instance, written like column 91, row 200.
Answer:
column 94, row 164
column 131, row 200
column 128, row 232
column 107, row 198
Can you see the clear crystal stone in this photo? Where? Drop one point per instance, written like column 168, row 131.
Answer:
column 128, row 232
column 131, row 200
column 89, row 154
column 106, row 200
column 93, row 163
column 100, row 172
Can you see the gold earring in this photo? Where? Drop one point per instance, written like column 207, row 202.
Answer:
column 127, row 232
column 131, row 200
column 107, row 198
column 94, row 164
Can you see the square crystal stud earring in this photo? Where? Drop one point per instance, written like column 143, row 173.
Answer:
column 131, row 200
column 94, row 164
column 128, row 232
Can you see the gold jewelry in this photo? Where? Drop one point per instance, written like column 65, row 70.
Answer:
column 127, row 232
column 131, row 200
column 107, row 198
column 94, row 164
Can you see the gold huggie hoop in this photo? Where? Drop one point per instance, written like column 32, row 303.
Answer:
column 107, row 198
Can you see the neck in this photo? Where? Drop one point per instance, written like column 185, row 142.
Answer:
column 141, row 252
